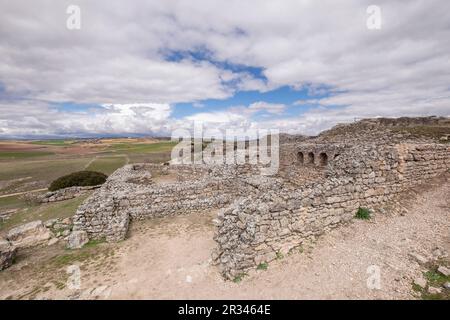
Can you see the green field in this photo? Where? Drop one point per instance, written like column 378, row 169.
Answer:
column 43, row 212
column 13, row 202
column 6, row 155
column 107, row 165
column 53, row 142
column 41, row 169
column 27, row 170
column 142, row 147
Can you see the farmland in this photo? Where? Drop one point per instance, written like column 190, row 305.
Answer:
column 32, row 165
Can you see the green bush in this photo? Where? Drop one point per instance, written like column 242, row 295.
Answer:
column 80, row 179
column 363, row 214
column 262, row 266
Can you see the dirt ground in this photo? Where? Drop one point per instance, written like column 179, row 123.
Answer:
column 170, row 259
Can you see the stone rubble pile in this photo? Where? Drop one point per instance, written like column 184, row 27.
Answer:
column 33, row 234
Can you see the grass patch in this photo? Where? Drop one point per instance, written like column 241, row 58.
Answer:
column 6, row 155
column 93, row 243
column 54, row 142
column 279, row 255
column 13, row 202
column 239, row 277
column 70, row 258
column 155, row 157
column 434, row 279
column 107, row 165
column 363, row 214
column 46, row 170
column 262, row 266
column 62, row 209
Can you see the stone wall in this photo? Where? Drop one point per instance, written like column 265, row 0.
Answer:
column 66, row 194
column 254, row 229
column 139, row 191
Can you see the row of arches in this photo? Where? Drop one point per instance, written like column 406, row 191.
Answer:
column 310, row 158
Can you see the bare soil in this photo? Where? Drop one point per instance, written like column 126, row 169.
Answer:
column 170, row 259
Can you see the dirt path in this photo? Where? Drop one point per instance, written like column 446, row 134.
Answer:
column 170, row 258
column 21, row 193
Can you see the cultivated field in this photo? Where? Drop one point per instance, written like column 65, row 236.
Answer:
column 28, row 167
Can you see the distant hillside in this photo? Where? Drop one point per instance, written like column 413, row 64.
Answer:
column 436, row 128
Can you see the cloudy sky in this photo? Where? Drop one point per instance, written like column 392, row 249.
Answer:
column 149, row 67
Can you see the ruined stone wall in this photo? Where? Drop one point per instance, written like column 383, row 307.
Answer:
column 263, row 215
column 66, row 194
column 131, row 193
column 255, row 229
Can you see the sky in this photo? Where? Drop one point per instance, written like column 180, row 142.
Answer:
column 152, row 67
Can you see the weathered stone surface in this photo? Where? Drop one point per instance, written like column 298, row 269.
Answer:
column 7, row 254
column 29, row 235
column 421, row 282
column 434, row 290
column 418, row 258
column 443, row 270
column 52, row 241
column 77, row 239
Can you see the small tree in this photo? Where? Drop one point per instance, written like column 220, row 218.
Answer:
column 80, row 179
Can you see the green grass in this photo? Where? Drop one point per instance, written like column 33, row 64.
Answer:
column 363, row 214
column 239, row 277
column 262, row 266
column 156, row 157
column 142, row 147
column 63, row 209
column 42, row 169
column 12, row 202
column 5, row 155
column 434, row 279
column 107, row 165
column 71, row 258
column 93, row 243
column 56, row 142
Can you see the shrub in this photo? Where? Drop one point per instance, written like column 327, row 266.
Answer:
column 239, row 277
column 262, row 266
column 363, row 213
column 80, row 179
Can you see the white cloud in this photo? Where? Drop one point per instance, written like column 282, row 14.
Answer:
column 117, row 58
column 273, row 108
column 41, row 119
